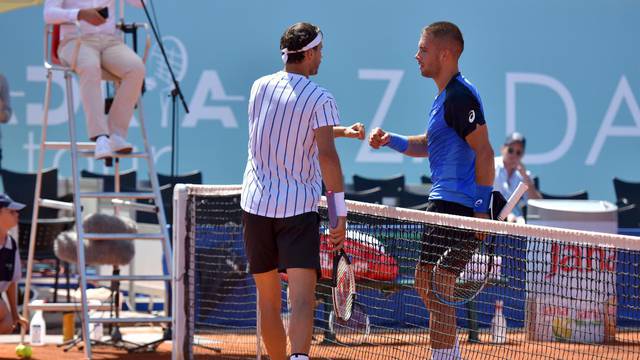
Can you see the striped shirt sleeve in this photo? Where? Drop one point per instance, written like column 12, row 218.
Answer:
column 254, row 89
column 326, row 114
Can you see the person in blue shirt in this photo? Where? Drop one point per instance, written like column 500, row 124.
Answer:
column 462, row 171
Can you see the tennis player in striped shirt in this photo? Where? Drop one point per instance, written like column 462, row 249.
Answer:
column 292, row 125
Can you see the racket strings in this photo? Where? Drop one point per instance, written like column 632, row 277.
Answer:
column 470, row 281
column 344, row 290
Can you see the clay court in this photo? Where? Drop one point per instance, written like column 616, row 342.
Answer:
column 51, row 352
column 385, row 347
column 243, row 347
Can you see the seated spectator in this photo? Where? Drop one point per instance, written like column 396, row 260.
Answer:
column 10, row 271
column 510, row 171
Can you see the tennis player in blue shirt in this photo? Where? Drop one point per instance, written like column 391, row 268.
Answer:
column 462, row 171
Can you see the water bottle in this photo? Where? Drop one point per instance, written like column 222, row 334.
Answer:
column 499, row 325
column 96, row 331
column 38, row 329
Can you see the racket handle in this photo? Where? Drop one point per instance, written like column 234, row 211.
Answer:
column 331, row 209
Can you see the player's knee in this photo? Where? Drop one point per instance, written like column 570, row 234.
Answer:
column 269, row 300
column 303, row 303
column 268, row 306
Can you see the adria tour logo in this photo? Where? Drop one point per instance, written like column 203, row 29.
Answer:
column 209, row 88
column 160, row 78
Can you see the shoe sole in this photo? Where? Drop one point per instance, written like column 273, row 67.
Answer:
column 102, row 157
column 125, row 150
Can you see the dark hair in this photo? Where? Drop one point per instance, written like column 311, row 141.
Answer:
column 296, row 37
column 444, row 30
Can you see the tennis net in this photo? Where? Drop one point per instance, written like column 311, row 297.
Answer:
column 549, row 293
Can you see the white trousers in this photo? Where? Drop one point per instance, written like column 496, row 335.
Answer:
column 106, row 52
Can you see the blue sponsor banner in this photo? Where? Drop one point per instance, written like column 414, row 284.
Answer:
column 563, row 73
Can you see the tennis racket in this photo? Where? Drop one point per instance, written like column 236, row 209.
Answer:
column 354, row 331
column 483, row 264
column 343, row 282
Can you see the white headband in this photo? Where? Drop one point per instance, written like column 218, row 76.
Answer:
column 315, row 42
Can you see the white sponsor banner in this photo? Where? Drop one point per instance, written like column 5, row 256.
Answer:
column 570, row 292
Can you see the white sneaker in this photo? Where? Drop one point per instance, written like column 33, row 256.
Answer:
column 120, row 145
column 103, row 149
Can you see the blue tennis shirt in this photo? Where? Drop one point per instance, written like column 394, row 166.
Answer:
column 455, row 113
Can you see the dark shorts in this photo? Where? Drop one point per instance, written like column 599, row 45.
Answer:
column 454, row 246
column 282, row 243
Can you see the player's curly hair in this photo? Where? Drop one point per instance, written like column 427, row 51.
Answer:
column 296, row 37
column 444, row 30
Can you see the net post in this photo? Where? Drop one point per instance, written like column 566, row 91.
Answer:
column 258, row 328
column 179, row 232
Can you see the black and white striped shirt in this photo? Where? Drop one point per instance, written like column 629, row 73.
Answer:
column 282, row 177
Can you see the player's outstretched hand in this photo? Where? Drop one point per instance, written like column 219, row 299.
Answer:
column 378, row 138
column 355, row 131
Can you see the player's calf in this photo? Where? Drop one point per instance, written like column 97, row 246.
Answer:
column 423, row 283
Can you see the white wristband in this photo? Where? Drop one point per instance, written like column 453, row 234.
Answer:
column 341, row 205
